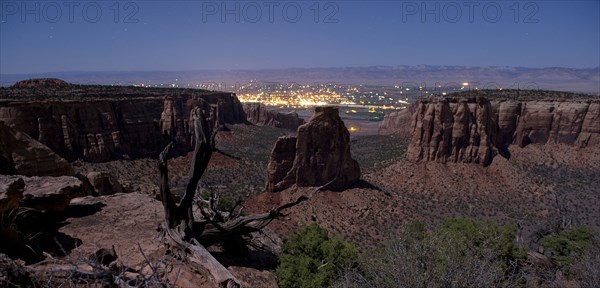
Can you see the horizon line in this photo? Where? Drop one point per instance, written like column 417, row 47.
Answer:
column 297, row 68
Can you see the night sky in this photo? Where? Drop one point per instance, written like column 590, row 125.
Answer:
column 192, row 35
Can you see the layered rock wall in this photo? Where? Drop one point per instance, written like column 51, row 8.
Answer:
column 258, row 114
column 101, row 130
column 474, row 130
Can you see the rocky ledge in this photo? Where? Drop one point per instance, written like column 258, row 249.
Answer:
column 45, row 194
column 20, row 154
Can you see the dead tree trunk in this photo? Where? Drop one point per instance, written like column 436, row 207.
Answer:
column 179, row 218
column 183, row 235
column 181, row 214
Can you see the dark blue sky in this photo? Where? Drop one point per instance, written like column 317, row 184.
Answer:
column 192, row 35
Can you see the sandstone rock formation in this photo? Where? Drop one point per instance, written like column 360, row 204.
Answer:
column 176, row 118
column 45, row 194
column 398, row 122
column 474, row 130
column 590, row 129
column 281, row 162
column 101, row 129
column 20, row 154
column 320, row 153
column 258, row 114
column 104, row 183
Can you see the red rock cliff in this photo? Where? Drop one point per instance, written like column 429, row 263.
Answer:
column 474, row 130
column 109, row 128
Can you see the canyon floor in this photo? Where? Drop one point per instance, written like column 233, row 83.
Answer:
column 540, row 187
column 537, row 187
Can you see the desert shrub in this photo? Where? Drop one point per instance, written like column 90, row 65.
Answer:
column 483, row 235
column 569, row 244
column 459, row 253
column 311, row 258
column 226, row 203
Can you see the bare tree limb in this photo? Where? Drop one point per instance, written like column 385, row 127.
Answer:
column 183, row 235
column 213, row 231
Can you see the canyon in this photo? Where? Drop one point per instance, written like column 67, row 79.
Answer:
column 99, row 126
column 387, row 180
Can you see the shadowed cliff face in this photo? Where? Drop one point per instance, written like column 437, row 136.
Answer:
column 398, row 122
column 19, row 154
column 474, row 130
column 258, row 114
column 100, row 130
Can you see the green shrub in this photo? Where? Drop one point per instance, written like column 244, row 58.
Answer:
column 569, row 244
column 483, row 235
column 459, row 253
column 311, row 258
column 226, row 202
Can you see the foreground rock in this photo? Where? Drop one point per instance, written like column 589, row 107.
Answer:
column 21, row 154
column 129, row 222
column 104, row 183
column 13, row 273
column 474, row 130
column 122, row 220
column 258, row 114
column 45, row 194
column 11, row 192
column 319, row 153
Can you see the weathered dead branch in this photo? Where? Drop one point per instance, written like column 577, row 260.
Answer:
column 186, row 237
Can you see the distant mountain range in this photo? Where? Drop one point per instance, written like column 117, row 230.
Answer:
column 553, row 78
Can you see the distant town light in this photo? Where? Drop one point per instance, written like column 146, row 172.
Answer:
column 465, row 84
